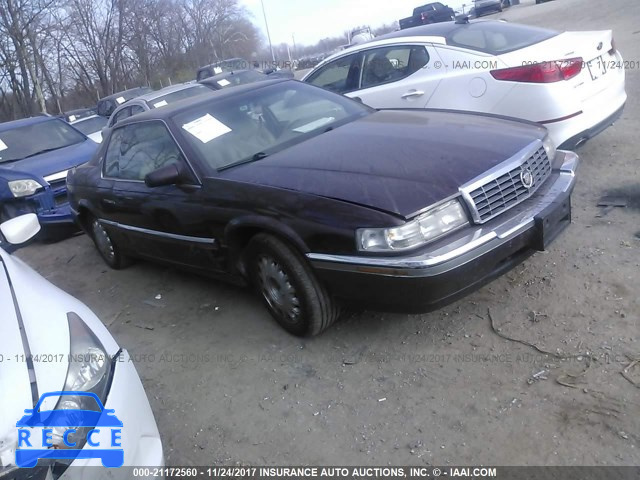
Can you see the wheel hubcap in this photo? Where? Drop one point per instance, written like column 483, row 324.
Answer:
column 103, row 240
column 277, row 290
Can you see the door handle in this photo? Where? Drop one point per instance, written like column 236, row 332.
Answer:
column 413, row 93
column 109, row 203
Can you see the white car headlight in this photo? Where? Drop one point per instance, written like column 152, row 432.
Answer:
column 423, row 229
column 549, row 147
column 23, row 188
column 89, row 371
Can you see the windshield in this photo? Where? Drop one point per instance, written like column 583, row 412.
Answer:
column 29, row 140
column 263, row 121
column 91, row 125
column 177, row 96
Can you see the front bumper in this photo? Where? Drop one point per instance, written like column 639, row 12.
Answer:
column 50, row 205
column 458, row 264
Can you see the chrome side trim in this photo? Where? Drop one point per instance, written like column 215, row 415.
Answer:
column 469, row 243
column 173, row 236
column 56, row 176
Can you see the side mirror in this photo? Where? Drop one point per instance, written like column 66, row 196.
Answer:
column 357, row 99
column 167, row 175
column 20, row 229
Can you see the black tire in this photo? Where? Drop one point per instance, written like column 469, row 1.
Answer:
column 288, row 287
column 108, row 249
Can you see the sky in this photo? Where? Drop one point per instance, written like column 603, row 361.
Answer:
column 312, row 20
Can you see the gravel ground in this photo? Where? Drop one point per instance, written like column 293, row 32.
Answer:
column 227, row 385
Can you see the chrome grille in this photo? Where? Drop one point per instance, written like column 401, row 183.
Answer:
column 508, row 189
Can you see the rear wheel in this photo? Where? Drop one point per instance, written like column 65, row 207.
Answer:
column 108, row 249
column 289, row 288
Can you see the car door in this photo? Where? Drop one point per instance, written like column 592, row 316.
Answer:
column 399, row 76
column 167, row 223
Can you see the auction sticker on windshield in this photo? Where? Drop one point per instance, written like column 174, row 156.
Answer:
column 161, row 103
column 206, row 128
column 3, row 145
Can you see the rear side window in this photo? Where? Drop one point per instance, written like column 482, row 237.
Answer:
column 119, row 116
column 138, row 149
column 389, row 64
column 497, row 38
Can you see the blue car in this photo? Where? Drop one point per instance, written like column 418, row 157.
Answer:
column 68, row 418
column 35, row 155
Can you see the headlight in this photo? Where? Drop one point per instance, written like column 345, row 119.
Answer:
column 89, row 371
column 549, row 147
column 23, row 188
column 423, row 229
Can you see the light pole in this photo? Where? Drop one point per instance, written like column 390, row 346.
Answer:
column 266, row 24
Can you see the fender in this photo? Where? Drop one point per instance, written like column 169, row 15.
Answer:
column 236, row 241
column 232, row 231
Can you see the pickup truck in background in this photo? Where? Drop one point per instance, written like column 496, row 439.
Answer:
column 430, row 13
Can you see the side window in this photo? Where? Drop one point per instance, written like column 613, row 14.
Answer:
column 340, row 76
column 385, row 65
column 140, row 148
column 121, row 115
column 136, row 109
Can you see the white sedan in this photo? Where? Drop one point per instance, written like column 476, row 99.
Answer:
column 52, row 343
column 573, row 82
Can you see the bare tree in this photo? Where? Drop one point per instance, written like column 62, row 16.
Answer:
column 71, row 52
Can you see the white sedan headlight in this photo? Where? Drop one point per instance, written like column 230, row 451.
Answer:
column 89, row 371
column 23, row 188
column 423, row 229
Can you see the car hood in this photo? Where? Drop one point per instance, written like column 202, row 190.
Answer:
column 51, row 162
column 42, row 308
column 397, row 161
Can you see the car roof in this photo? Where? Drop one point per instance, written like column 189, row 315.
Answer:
column 216, row 78
column 123, row 92
column 25, row 122
column 431, row 33
column 164, row 91
column 186, row 104
column 441, row 29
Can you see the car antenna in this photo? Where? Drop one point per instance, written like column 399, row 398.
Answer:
column 462, row 19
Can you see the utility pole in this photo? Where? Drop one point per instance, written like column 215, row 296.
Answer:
column 295, row 50
column 266, row 24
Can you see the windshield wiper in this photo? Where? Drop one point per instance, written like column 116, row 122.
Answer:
column 44, row 150
column 252, row 158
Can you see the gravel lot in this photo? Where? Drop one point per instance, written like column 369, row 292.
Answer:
column 228, row 385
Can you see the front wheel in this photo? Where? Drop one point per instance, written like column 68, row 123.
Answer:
column 108, row 249
column 289, row 288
